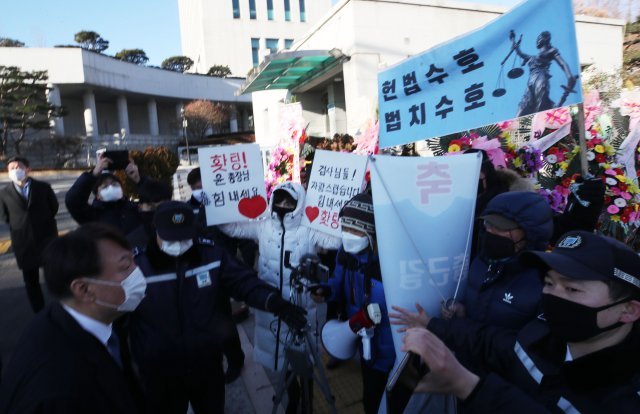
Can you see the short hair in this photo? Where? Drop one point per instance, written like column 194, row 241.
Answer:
column 76, row 255
column 194, row 176
column 18, row 159
column 102, row 178
column 152, row 191
column 619, row 290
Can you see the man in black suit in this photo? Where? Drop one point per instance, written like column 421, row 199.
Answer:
column 29, row 207
column 70, row 359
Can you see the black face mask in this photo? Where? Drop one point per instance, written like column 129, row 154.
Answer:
column 574, row 322
column 494, row 248
column 281, row 211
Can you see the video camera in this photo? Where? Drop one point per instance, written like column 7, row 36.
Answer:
column 308, row 274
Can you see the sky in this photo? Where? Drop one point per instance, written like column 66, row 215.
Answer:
column 150, row 25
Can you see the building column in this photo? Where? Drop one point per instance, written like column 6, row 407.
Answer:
column 233, row 119
column 53, row 97
column 152, row 110
column 331, row 109
column 123, row 114
column 90, row 114
column 179, row 108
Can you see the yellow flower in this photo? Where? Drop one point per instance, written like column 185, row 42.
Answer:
column 615, row 218
column 610, row 150
column 517, row 163
column 563, row 165
column 607, row 166
column 454, row 148
column 599, row 149
column 621, row 178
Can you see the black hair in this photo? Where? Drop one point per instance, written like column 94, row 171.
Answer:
column 152, row 191
column 18, row 159
column 194, row 176
column 102, row 178
column 76, row 255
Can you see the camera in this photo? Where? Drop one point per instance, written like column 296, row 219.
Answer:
column 308, row 274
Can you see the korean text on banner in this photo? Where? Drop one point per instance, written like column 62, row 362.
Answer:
column 424, row 211
column 233, row 183
column 523, row 62
column 335, row 178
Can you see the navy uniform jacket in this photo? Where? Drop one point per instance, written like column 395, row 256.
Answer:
column 58, row 367
column 528, row 372
column 178, row 328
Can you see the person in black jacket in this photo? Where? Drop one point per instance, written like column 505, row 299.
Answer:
column 109, row 205
column 29, row 207
column 580, row 356
column 70, row 360
column 176, row 332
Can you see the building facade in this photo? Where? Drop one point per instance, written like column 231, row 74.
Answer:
column 377, row 34
column 239, row 33
column 110, row 102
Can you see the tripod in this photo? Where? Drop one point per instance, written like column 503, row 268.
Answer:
column 301, row 358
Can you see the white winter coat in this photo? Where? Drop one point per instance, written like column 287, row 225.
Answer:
column 273, row 242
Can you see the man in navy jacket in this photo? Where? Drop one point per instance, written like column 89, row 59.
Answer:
column 583, row 357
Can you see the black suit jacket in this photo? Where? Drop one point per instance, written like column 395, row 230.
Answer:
column 32, row 222
column 58, row 367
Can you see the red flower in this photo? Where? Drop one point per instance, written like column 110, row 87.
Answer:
column 622, row 186
column 566, row 182
column 600, row 158
column 607, row 200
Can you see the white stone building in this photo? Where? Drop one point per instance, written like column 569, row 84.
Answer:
column 107, row 99
column 238, row 33
column 344, row 51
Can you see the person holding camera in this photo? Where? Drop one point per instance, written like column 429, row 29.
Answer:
column 109, row 205
column 177, row 332
column 357, row 283
column 581, row 355
column 282, row 242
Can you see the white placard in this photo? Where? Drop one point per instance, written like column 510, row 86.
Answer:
column 233, row 183
column 335, row 178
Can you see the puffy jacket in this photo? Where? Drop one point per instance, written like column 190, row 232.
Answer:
column 507, row 294
column 121, row 214
column 347, row 286
column 176, row 329
column 278, row 240
column 529, row 374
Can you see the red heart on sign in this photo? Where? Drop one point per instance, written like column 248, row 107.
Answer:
column 312, row 213
column 252, row 207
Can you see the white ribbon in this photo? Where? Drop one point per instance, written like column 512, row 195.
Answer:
column 627, row 152
column 548, row 141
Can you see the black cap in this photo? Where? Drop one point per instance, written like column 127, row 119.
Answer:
column 585, row 256
column 174, row 220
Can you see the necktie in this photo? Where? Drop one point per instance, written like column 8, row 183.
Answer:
column 25, row 192
column 113, row 346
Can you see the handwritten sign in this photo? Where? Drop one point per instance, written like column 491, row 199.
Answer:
column 335, row 178
column 523, row 62
column 233, row 183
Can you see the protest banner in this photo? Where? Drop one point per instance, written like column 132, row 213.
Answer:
column 523, row 62
column 424, row 211
column 335, row 178
column 233, row 183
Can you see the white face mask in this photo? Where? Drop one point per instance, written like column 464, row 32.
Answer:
column 134, row 287
column 354, row 244
column 176, row 248
column 18, row 175
column 197, row 194
column 110, row 193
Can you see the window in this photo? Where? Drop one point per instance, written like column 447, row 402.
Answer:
column 288, row 43
column 272, row 45
column 287, row 10
column 270, row 9
column 303, row 15
column 236, row 8
column 255, row 48
column 252, row 9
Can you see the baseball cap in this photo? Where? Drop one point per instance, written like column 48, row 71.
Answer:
column 500, row 222
column 586, row 256
column 174, row 221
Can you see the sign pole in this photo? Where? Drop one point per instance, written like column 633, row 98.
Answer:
column 581, row 139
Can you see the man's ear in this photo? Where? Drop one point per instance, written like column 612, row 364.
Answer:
column 80, row 291
column 631, row 312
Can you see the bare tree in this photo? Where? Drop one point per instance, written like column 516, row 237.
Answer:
column 203, row 116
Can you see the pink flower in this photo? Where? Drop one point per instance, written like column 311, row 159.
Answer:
column 625, row 195
column 613, row 209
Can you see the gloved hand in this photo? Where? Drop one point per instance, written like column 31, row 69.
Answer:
column 292, row 315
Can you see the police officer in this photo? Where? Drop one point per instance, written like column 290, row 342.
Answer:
column 175, row 332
